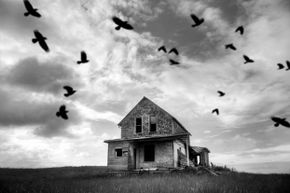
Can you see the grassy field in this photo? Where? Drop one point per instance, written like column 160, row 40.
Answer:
column 94, row 179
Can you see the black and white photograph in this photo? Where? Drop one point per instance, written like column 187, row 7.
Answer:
column 144, row 96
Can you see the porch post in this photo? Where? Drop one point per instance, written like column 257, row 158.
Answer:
column 187, row 151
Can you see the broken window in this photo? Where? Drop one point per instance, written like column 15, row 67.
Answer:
column 138, row 125
column 118, row 152
column 153, row 123
column 149, row 153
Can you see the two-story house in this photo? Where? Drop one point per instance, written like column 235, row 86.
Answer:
column 152, row 138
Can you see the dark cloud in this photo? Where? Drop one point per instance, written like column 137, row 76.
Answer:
column 13, row 21
column 40, row 77
column 18, row 111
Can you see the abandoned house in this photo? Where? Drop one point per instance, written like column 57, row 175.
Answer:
column 152, row 138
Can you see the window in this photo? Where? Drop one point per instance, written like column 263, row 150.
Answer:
column 138, row 125
column 153, row 123
column 149, row 153
column 118, row 152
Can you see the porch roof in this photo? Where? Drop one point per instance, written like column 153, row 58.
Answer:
column 150, row 138
column 198, row 150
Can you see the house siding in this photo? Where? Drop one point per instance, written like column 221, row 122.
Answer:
column 145, row 109
column 163, row 155
column 115, row 162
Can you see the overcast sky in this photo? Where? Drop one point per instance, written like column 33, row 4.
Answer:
column 125, row 66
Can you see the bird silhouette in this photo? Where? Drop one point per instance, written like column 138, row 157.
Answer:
column 62, row 112
column 215, row 111
column 221, row 93
column 30, row 10
column 230, row 46
column 197, row 21
column 173, row 50
column 121, row 24
column 84, row 58
column 41, row 40
column 240, row 29
column 162, row 48
column 247, row 59
column 288, row 65
column 173, row 62
column 280, row 66
column 70, row 91
column 280, row 121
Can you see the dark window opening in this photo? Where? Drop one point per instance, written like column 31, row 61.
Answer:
column 149, row 153
column 118, row 152
column 153, row 124
column 138, row 125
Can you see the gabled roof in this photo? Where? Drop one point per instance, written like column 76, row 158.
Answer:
column 145, row 98
column 198, row 150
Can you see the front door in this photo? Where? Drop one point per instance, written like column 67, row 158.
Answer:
column 135, row 160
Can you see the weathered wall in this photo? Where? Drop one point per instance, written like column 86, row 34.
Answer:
column 114, row 162
column 145, row 109
column 178, row 145
column 163, row 155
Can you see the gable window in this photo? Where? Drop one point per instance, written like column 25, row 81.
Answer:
column 153, row 123
column 149, row 153
column 138, row 125
column 118, row 152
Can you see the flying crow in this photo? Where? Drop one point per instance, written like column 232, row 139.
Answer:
column 70, row 91
column 280, row 121
column 41, row 40
column 62, row 112
column 240, row 29
column 30, row 10
column 84, row 58
column 174, row 50
column 196, row 20
column 247, row 59
column 121, row 24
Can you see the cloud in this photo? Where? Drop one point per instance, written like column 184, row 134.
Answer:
column 39, row 76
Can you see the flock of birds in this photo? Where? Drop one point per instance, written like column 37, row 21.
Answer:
column 62, row 112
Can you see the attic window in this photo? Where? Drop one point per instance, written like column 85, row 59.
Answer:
column 118, row 152
column 138, row 125
column 153, row 124
column 149, row 153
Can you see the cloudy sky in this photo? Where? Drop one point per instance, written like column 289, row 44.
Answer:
column 125, row 66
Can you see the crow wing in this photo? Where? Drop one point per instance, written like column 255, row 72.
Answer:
column 174, row 50
column 173, row 62
column 162, row 48
column 43, row 45
column 28, row 6
column 83, row 56
column 194, row 18
column 280, row 66
column 117, row 20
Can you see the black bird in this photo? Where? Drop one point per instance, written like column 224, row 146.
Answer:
column 121, row 24
column 30, row 10
column 280, row 121
column 174, row 50
column 162, row 48
column 215, row 111
column 230, row 46
column 288, row 65
column 197, row 21
column 70, row 91
column 62, row 112
column 84, row 58
column 221, row 93
column 240, row 29
column 41, row 40
column 173, row 62
column 247, row 59
column 280, row 66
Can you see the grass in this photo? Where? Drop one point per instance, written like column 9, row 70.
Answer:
column 95, row 179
